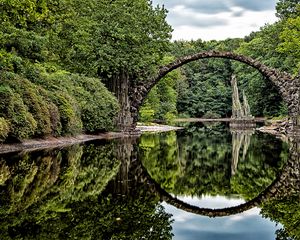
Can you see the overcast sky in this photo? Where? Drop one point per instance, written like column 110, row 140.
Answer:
column 217, row 19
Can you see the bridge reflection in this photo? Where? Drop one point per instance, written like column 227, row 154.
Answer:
column 286, row 183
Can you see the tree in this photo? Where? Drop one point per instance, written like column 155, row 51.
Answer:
column 120, row 41
column 290, row 41
column 287, row 9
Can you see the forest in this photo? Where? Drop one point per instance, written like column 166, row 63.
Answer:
column 63, row 62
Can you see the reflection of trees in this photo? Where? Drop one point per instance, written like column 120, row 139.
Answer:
column 66, row 194
column 207, row 156
column 286, row 183
column 42, row 184
column 265, row 157
column 60, row 174
column 161, row 155
column 110, row 217
column 285, row 209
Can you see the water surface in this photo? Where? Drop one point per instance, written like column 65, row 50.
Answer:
column 154, row 187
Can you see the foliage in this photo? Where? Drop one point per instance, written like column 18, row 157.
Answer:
column 55, row 104
column 4, row 129
column 161, row 102
column 290, row 41
column 14, row 111
column 207, row 85
column 94, row 38
column 285, row 211
column 61, row 194
column 287, row 9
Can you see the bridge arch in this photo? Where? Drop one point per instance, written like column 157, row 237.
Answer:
column 287, row 86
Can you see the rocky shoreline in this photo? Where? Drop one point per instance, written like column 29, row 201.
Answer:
column 276, row 127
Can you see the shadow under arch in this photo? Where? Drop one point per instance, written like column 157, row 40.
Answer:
column 287, row 85
column 275, row 189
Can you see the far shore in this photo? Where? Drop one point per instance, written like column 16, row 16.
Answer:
column 258, row 119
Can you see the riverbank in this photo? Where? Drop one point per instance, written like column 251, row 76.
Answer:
column 55, row 142
column 258, row 120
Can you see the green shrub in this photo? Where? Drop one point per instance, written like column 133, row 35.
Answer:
column 211, row 115
column 12, row 108
column 4, row 129
column 98, row 107
column 55, row 104
column 99, row 113
column 36, row 105
column 68, row 111
column 146, row 114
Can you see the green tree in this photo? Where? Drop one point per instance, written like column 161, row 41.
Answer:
column 287, row 9
column 290, row 41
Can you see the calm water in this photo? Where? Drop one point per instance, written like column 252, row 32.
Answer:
column 203, row 182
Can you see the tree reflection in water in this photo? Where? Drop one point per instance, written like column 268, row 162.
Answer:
column 99, row 190
column 206, row 169
column 56, row 194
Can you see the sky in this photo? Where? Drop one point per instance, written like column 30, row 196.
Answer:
column 249, row 225
column 217, row 19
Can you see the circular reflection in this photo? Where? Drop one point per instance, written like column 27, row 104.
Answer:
column 217, row 167
column 282, row 185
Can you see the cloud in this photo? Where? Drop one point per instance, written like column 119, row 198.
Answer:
column 181, row 16
column 236, row 27
column 203, row 6
column 254, row 5
column 247, row 225
column 217, row 19
column 218, row 6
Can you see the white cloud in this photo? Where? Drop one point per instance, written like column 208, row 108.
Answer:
column 217, row 19
column 248, row 224
column 238, row 26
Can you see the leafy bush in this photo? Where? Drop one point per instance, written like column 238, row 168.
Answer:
column 12, row 108
column 69, row 112
column 4, row 129
column 146, row 114
column 211, row 115
column 54, row 104
column 98, row 107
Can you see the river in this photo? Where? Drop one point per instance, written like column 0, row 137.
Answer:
column 206, row 181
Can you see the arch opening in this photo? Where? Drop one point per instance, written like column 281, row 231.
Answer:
column 288, row 87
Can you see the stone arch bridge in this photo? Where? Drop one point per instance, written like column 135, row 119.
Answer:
column 287, row 85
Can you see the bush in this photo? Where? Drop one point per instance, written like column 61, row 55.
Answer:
column 54, row 104
column 13, row 109
column 97, row 106
column 146, row 115
column 68, row 111
column 211, row 115
column 99, row 113
column 4, row 129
